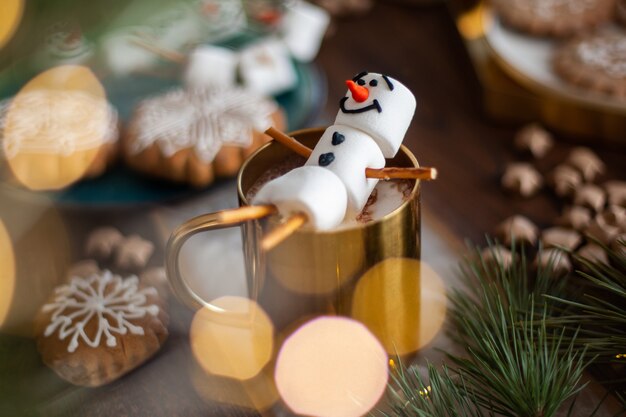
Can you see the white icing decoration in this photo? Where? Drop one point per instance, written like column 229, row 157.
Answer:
column 550, row 9
column 202, row 120
column 56, row 122
column 112, row 301
column 605, row 53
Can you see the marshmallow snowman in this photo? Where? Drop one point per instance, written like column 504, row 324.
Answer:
column 370, row 126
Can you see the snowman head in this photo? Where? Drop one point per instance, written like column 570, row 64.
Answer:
column 379, row 106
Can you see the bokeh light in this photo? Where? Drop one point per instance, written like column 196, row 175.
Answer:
column 7, row 272
column 475, row 22
column 331, row 367
column 237, row 342
column 403, row 302
column 34, row 237
column 258, row 393
column 10, row 16
column 55, row 126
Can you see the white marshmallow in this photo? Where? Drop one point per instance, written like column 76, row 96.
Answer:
column 266, row 67
column 210, row 66
column 312, row 190
column 122, row 56
column 385, row 115
column 351, row 152
column 303, row 29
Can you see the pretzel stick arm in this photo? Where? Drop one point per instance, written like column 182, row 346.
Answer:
column 283, row 231
column 166, row 54
column 246, row 213
column 422, row 173
column 289, row 142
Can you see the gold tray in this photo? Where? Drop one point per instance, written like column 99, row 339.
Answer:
column 512, row 94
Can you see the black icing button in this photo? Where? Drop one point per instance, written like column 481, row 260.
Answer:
column 338, row 138
column 326, row 159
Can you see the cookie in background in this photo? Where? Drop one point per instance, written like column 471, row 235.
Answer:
column 554, row 17
column 58, row 129
column 596, row 62
column 193, row 136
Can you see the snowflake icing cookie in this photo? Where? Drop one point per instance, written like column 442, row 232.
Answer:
column 554, row 17
column 96, row 329
column 596, row 62
column 194, row 135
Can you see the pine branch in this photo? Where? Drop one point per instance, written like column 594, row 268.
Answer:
column 601, row 307
column 518, row 366
column 442, row 395
column 600, row 311
column 522, row 370
column 514, row 366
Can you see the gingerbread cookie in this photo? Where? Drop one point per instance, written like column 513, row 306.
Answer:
column 596, row 63
column 96, row 329
column 58, row 123
column 554, row 17
column 191, row 136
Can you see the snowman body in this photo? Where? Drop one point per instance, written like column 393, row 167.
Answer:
column 347, row 152
column 370, row 126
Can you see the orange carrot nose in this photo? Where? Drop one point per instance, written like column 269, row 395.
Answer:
column 359, row 93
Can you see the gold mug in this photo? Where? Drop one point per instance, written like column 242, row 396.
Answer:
column 311, row 272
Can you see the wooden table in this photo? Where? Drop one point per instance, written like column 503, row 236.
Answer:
column 419, row 46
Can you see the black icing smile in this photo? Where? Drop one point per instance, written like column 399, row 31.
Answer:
column 374, row 106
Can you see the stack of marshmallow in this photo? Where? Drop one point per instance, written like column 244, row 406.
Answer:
column 265, row 67
column 331, row 186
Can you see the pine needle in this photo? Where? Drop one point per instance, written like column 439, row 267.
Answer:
column 443, row 394
column 600, row 311
column 515, row 365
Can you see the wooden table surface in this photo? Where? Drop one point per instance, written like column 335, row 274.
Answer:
column 420, row 47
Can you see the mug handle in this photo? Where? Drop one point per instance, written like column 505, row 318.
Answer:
column 204, row 223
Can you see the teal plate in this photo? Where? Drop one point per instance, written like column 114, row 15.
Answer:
column 119, row 186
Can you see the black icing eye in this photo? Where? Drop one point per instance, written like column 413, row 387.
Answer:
column 361, row 82
column 374, row 83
